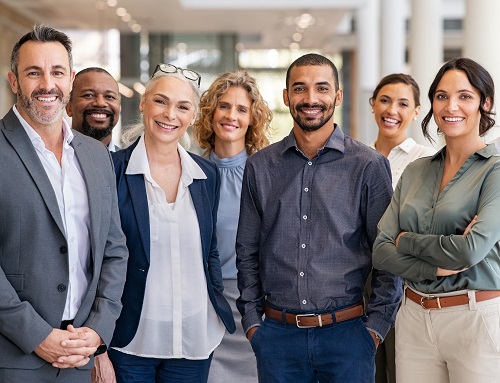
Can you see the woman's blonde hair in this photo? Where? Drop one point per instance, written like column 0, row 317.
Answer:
column 257, row 136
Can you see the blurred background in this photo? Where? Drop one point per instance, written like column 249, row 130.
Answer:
column 366, row 39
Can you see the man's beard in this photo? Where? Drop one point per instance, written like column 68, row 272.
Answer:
column 97, row 133
column 312, row 125
column 37, row 115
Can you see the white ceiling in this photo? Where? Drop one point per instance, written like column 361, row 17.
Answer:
column 261, row 23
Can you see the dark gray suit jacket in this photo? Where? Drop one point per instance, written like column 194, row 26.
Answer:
column 33, row 248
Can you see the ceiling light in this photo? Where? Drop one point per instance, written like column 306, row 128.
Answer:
column 121, row 11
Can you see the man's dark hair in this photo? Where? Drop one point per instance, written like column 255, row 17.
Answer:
column 93, row 69
column 314, row 59
column 44, row 34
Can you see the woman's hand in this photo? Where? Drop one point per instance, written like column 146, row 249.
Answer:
column 399, row 235
column 469, row 226
column 446, row 273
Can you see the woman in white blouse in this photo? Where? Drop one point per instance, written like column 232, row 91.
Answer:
column 395, row 104
column 174, row 314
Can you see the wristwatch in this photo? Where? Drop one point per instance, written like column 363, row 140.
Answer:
column 101, row 349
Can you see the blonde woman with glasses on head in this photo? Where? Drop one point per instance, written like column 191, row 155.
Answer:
column 174, row 313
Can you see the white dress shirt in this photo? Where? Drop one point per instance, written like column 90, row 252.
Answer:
column 71, row 193
column 404, row 153
column 177, row 318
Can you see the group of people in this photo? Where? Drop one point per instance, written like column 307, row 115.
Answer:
column 145, row 260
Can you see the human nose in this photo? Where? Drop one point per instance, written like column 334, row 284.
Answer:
column 47, row 82
column 392, row 108
column 169, row 112
column 452, row 104
column 231, row 114
column 100, row 100
column 310, row 96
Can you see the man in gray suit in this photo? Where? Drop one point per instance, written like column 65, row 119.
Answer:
column 62, row 252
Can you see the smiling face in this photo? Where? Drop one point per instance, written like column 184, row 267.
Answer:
column 394, row 109
column 168, row 108
column 456, row 106
column 94, row 105
column 232, row 117
column 312, row 96
column 43, row 82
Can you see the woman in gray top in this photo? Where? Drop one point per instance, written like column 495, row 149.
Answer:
column 441, row 233
column 233, row 123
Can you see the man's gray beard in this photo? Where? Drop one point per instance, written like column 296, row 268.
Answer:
column 27, row 104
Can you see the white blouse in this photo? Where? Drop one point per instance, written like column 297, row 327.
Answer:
column 177, row 318
column 404, row 153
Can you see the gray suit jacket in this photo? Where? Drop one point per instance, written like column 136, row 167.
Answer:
column 33, row 248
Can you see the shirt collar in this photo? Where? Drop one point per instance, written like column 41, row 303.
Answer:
column 335, row 141
column 406, row 146
column 138, row 164
column 486, row 152
column 35, row 137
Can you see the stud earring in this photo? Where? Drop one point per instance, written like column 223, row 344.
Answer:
column 373, row 111
column 414, row 118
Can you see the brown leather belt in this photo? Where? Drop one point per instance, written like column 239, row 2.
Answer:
column 316, row 320
column 430, row 302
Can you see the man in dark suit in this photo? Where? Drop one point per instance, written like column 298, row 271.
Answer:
column 63, row 255
column 94, row 105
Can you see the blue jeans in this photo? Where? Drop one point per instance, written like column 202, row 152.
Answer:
column 337, row 353
column 138, row 369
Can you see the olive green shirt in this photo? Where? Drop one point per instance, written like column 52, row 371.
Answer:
column 435, row 223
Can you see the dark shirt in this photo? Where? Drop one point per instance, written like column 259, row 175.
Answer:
column 307, row 227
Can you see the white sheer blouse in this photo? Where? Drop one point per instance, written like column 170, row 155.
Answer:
column 177, row 318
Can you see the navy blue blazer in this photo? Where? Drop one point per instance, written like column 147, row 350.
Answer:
column 134, row 214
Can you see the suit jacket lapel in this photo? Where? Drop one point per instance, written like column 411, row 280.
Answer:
column 93, row 191
column 203, row 212
column 137, row 191
column 16, row 135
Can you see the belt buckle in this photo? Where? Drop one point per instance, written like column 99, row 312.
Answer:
column 298, row 316
column 429, row 298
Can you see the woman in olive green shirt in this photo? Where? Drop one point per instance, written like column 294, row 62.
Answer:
column 441, row 233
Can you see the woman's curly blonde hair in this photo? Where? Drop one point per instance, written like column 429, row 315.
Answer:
column 257, row 136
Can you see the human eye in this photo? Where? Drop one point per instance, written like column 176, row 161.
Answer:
column 298, row 89
column 110, row 97
column 184, row 107
column 440, row 96
column 323, row 89
column 403, row 105
column 466, row 96
column 243, row 110
column 58, row 73
column 223, row 106
column 159, row 101
column 383, row 100
column 87, row 95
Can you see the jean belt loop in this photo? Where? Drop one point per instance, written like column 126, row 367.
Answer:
column 283, row 317
column 472, row 300
column 404, row 293
column 334, row 318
